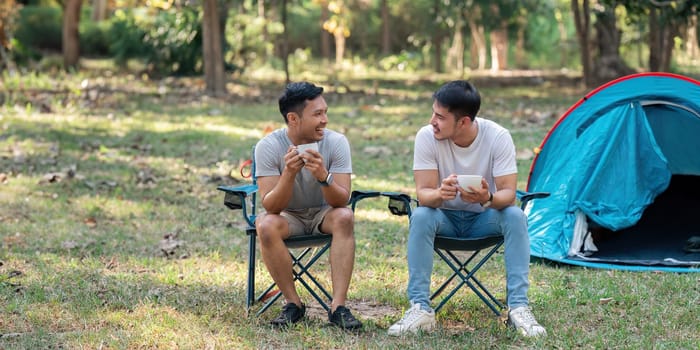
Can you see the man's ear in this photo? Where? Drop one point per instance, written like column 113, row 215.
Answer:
column 292, row 117
column 466, row 119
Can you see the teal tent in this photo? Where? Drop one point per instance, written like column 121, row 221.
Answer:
column 623, row 169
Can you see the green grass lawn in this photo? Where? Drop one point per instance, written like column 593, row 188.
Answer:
column 113, row 235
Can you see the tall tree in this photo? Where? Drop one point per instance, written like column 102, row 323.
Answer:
column 455, row 54
column 337, row 25
column 386, row 31
column 285, row 41
column 607, row 64
column 582, row 21
column 691, row 35
column 479, row 47
column 436, row 38
column 99, row 10
column 212, row 51
column 499, row 39
column 71, row 38
column 8, row 12
column 665, row 19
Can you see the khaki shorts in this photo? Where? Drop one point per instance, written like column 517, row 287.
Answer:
column 305, row 221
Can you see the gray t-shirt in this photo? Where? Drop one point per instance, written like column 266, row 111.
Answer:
column 492, row 154
column 269, row 161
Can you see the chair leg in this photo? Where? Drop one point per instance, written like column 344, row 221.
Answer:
column 467, row 277
column 251, row 271
column 299, row 269
column 304, row 270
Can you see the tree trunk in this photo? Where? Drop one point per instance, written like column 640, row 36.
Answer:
column 582, row 21
column 478, row 47
column 455, row 54
column 660, row 42
column 71, row 37
column 437, row 41
column 325, row 36
column 563, row 38
column 285, row 42
column 386, row 35
column 499, row 49
column 99, row 10
column 608, row 65
column 261, row 14
column 691, row 48
column 520, row 56
column 339, row 46
column 499, row 42
column 654, row 41
column 213, row 56
column 8, row 11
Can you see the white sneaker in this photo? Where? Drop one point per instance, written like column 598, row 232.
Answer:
column 524, row 321
column 413, row 320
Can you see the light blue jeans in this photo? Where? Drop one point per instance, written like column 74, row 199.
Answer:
column 427, row 222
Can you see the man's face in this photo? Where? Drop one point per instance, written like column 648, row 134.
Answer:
column 313, row 120
column 444, row 122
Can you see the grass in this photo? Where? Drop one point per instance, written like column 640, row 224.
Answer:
column 113, row 235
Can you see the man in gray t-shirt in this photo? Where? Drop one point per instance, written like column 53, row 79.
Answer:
column 303, row 174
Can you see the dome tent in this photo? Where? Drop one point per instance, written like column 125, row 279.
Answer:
column 623, row 169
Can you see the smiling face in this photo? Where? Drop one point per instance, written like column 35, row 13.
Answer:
column 444, row 122
column 448, row 126
column 309, row 124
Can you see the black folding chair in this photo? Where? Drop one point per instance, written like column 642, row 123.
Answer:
column 466, row 267
column 304, row 250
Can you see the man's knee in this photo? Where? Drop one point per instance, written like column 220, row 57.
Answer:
column 514, row 214
column 271, row 228
column 342, row 220
column 514, row 221
column 422, row 215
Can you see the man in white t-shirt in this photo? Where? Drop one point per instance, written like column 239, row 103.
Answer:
column 306, row 192
column 457, row 142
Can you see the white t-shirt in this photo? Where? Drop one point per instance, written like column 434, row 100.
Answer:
column 492, row 154
column 269, row 161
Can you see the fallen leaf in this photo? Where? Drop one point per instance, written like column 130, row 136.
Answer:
column 90, row 222
column 170, row 244
column 69, row 244
column 51, row 178
column 112, row 263
column 15, row 240
column 604, row 301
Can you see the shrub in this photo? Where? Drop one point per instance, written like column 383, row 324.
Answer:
column 126, row 36
column 39, row 28
column 174, row 42
column 94, row 38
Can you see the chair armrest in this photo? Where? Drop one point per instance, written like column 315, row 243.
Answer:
column 235, row 198
column 358, row 195
column 525, row 197
column 399, row 203
column 236, row 195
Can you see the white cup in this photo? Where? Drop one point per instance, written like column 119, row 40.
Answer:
column 304, row 147
column 469, row 180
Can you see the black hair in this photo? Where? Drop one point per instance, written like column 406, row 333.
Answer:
column 295, row 96
column 460, row 97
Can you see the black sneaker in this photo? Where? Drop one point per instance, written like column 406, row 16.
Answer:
column 342, row 318
column 291, row 313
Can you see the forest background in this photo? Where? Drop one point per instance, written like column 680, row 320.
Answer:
column 119, row 118
column 597, row 40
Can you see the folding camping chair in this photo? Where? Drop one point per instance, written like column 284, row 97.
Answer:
column 465, row 268
column 304, row 250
